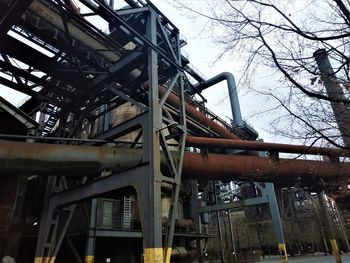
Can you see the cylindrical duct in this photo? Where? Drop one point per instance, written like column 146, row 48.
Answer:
column 262, row 146
column 232, row 92
column 51, row 159
column 174, row 101
column 334, row 90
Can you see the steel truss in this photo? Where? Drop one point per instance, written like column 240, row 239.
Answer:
column 70, row 81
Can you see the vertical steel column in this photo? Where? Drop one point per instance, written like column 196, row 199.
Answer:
column 330, row 230
column 276, row 220
column 342, row 227
column 195, row 216
column 106, row 117
column 46, row 216
column 322, row 227
column 175, row 166
column 152, row 226
column 234, row 252
column 218, row 220
column 91, row 239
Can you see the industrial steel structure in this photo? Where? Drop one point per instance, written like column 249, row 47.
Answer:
column 112, row 158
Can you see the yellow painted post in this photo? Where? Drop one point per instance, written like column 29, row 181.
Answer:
column 283, row 251
column 44, row 259
column 167, row 254
column 89, row 259
column 335, row 250
column 153, row 255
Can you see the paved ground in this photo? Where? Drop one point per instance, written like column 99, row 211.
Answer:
column 309, row 259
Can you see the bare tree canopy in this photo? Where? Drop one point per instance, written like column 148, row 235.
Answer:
column 279, row 38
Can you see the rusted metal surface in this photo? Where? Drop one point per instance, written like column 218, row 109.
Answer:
column 173, row 100
column 228, row 167
column 50, row 159
column 53, row 159
column 262, row 146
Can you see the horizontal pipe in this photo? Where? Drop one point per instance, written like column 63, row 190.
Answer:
column 53, row 159
column 174, row 101
column 262, row 146
column 260, row 169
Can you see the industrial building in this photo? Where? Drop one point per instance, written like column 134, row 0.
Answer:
column 114, row 157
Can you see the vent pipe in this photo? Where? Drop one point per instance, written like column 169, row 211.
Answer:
column 232, row 92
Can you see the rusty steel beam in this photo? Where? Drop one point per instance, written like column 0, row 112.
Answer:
column 174, row 101
column 262, row 146
column 51, row 159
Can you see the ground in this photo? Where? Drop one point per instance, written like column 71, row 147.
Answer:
column 309, row 259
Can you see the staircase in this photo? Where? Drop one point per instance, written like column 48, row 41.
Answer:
column 126, row 212
column 52, row 112
column 337, row 221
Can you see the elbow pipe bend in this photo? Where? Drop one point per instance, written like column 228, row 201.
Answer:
column 232, row 91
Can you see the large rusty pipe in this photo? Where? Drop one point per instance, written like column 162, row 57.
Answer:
column 174, row 101
column 229, row 167
column 262, row 146
column 52, row 159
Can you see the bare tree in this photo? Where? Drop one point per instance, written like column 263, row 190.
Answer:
column 280, row 37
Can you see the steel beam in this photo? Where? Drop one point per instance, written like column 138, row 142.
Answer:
column 115, row 69
column 19, row 115
column 329, row 226
column 132, row 11
column 34, row 58
column 276, row 221
column 25, row 74
column 12, row 14
column 108, row 13
column 151, row 201
column 218, row 221
column 133, row 177
column 195, row 215
column 139, row 121
column 26, row 90
column 234, row 205
column 91, row 236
